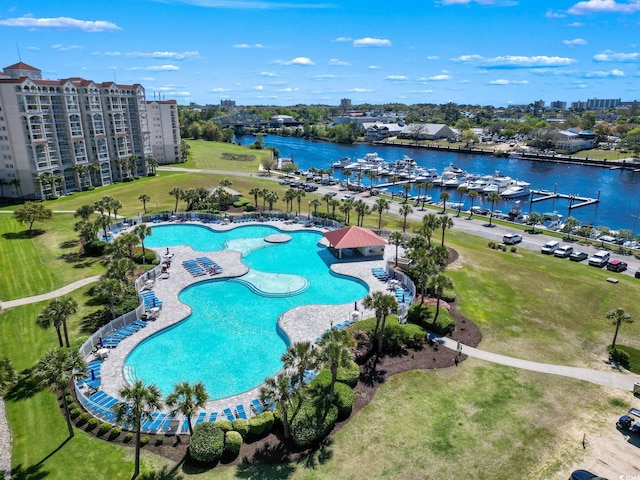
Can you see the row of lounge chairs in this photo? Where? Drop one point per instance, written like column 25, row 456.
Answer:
column 92, row 380
column 150, row 300
column 113, row 340
column 209, row 265
column 194, row 268
column 380, row 274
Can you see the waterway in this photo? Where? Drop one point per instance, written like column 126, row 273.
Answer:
column 619, row 190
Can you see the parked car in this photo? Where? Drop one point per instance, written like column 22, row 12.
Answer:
column 511, row 238
column 584, row 475
column 578, row 256
column 617, row 266
column 564, row 251
column 599, row 259
column 550, row 247
column 637, row 274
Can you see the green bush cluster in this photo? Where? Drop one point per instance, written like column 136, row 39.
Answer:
column 115, row 433
column 127, row 437
column 69, row 399
column 343, row 398
column 224, row 425
column 232, row 442
column 243, row 202
column 397, row 336
column 75, row 412
column 83, row 418
column 207, row 443
column 144, row 440
column 422, row 315
column 241, row 426
column 261, row 424
column 159, row 440
column 620, row 356
column 312, row 424
column 72, row 405
column 104, row 428
column 95, row 248
column 149, row 257
column 91, row 424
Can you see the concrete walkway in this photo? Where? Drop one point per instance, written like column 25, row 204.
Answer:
column 48, row 296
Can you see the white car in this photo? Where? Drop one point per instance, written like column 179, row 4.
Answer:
column 550, row 247
column 511, row 239
column 564, row 251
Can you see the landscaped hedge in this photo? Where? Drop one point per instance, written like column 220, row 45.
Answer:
column 312, row 425
column 207, row 443
column 115, row 433
column 241, row 426
column 343, row 398
column 104, row 428
column 620, row 356
column 91, row 424
column 82, row 419
column 261, row 424
column 95, row 249
column 349, row 375
column 224, row 425
column 423, row 315
column 397, row 336
column 149, row 257
column 232, row 442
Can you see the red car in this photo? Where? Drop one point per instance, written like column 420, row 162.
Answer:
column 617, row 266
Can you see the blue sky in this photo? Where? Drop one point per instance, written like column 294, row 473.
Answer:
column 283, row 52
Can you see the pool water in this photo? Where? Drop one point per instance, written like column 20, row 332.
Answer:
column 231, row 341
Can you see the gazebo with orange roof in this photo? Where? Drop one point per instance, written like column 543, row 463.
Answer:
column 367, row 243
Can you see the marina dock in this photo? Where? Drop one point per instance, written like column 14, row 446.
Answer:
column 547, row 195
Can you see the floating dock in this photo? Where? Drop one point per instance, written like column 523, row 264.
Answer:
column 547, row 195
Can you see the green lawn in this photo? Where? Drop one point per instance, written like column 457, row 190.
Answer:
column 224, row 156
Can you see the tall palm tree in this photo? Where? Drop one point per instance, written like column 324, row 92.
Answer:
column 619, row 316
column 407, row 188
column 299, row 195
column 289, row 195
column 384, row 305
column 110, row 291
column 8, row 375
column 56, row 313
column 421, row 272
column 16, row 185
column 362, row 209
column 335, row 352
column 3, row 182
column 103, row 222
column 142, row 230
column 493, row 197
column 334, row 204
column 444, row 196
column 327, row 197
column 56, row 370
column 472, row 194
column 299, row 357
column 462, row 189
column 271, row 197
column 315, row 203
column 94, row 168
column 255, row 191
column 394, row 179
column 187, row 399
column 438, row 283
column 445, row 222
column 429, row 224
column 144, row 198
column 151, row 163
column 419, row 187
column 346, row 208
column 277, row 391
column 381, row 205
column 138, row 403
column 397, row 238
column 176, row 192
column 123, row 245
column 405, row 211
column 84, row 212
column 427, row 186
column 347, row 173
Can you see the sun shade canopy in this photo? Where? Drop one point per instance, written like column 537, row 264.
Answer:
column 353, row 237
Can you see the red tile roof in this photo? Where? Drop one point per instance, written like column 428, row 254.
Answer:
column 21, row 66
column 353, row 237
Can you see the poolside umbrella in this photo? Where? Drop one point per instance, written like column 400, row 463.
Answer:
column 100, row 340
column 355, row 306
column 93, row 375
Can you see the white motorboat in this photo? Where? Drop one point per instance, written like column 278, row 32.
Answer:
column 342, row 163
column 519, row 189
column 499, row 184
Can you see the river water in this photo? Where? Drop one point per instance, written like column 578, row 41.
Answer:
column 619, row 190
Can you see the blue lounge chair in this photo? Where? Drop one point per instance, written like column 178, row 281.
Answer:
column 256, row 406
column 240, row 413
column 158, row 421
column 227, row 413
column 201, row 417
column 213, row 416
column 185, row 425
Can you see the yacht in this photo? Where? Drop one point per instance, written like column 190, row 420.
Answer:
column 499, row 184
column 342, row 163
column 519, row 189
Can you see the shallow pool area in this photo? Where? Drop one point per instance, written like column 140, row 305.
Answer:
column 231, row 341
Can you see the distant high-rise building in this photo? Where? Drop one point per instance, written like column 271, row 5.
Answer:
column 602, row 103
column 58, row 136
column 578, row 105
column 164, row 131
column 345, row 102
column 538, row 104
column 228, row 103
column 558, row 105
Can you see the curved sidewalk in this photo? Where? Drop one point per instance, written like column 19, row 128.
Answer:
column 624, row 381
column 48, row 296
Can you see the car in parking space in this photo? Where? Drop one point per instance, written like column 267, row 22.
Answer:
column 584, row 475
column 617, row 265
column 578, row 256
column 599, row 259
column 550, row 247
column 637, row 274
column 511, row 238
column 563, row 251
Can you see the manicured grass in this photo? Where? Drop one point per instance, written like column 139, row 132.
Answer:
column 224, row 156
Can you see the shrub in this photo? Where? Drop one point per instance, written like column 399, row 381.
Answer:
column 243, row 202
column 364, row 346
column 492, row 245
column 619, row 356
column 312, row 424
column 261, row 424
column 349, row 374
column 224, row 425
column 115, row 433
column 343, row 397
column 127, row 438
column 149, row 257
column 95, row 248
column 159, row 440
column 250, row 208
column 513, row 249
column 68, row 398
column 104, row 428
column 232, row 442
column 75, row 412
column 144, row 440
column 207, row 443
column 91, row 424
column 83, row 418
column 398, row 336
column 72, row 405
column 422, row 315
column 241, row 426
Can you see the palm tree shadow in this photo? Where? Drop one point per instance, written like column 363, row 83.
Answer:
column 165, row 473
column 25, row 388
column 32, row 472
column 56, row 450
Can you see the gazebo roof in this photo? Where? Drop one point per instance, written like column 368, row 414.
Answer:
column 353, row 237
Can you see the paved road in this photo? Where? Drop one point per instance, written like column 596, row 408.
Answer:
column 48, row 296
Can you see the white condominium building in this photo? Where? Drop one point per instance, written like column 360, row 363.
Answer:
column 59, row 136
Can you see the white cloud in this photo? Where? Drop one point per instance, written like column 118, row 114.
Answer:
column 66, row 23
column 479, row 2
column 502, row 81
column 63, row 48
column 609, row 56
column 433, row 57
column 268, row 73
column 515, row 61
column 374, row 67
column 397, row 78
column 604, row 6
column 576, row 24
column 604, row 74
column 288, row 89
column 372, row 42
column 154, row 55
column 343, row 39
column 438, row 78
column 157, row 68
column 246, row 45
column 360, row 90
column 551, row 14
column 325, row 77
column 575, row 41
column 296, row 61
column 219, row 90
column 339, row 63
column 258, row 88
column 255, row 5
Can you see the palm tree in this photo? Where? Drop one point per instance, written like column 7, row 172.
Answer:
column 394, row 179
column 56, row 313
column 315, row 203
column 56, row 370
column 335, row 352
column 103, row 222
column 429, row 224
column 346, row 208
column 123, row 245
column 462, row 189
column 152, row 164
column 405, row 210
column 16, row 185
column 362, row 209
column 84, row 212
column 397, row 238
column 438, row 283
column 381, row 205
column 8, row 375
column 81, row 169
column 493, row 197
column 138, row 403
column 177, row 192
column 144, row 198
column 225, row 182
column 419, row 187
column 255, row 191
column 428, row 185
column 327, row 197
column 421, row 272
column 407, row 188
column 93, row 169
column 334, row 204
column 445, row 222
column 444, row 196
column 110, row 291
column 3, row 182
column 347, row 173
column 187, row 400
column 299, row 195
column 142, row 230
column 533, row 219
column 384, row 305
column 277, row 391
column 289, row 195
column 473, row 194
column 299, row 357
column 271, row 197
column 120, row 269
column 619, row 316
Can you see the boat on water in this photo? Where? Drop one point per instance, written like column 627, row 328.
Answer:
column 499, row 184
column 519, row 189
column 371, row 161
column 342, row 163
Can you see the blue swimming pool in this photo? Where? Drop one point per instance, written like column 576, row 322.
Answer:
column 231, row 341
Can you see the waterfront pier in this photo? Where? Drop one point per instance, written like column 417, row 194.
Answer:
column 547, row 195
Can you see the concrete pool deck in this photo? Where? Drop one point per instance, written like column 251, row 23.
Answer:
column 304, row 323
